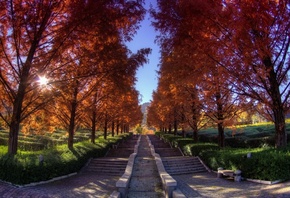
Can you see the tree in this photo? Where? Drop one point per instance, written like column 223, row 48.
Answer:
column 261, row 57
column 34, row 35
column 29, row 30
column 252, row 46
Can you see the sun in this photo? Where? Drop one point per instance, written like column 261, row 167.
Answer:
column 42, row 80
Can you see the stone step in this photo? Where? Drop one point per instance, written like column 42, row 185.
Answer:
column 138, row 194
column 168, row 152
column 161, row 145
column 186, row 172
column 178, row 158
column 191, row 162
column 183, row 168
column 183, row 165
column 106, row 169
column 130, row 143
column 109, row 159
column 167, row 149
column 120, row 152
column 107, row 166
column 183, row 162
column 122, row 149
column 130, row 146
column 113, row 159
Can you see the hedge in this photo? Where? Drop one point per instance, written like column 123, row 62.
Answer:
column 265, row 163
column 196, row 148
column 25, row 167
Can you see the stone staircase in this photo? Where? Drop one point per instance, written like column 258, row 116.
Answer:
column 173, row 160
column 157, row 142
column 107, row 166
column 168, row 152
column 183, row 165
column 164, row 149
column 123, row 149
column 120, row 152
column 115, row 161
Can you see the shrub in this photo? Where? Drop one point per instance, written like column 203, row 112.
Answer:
column 196, row 148
column 208, row 138
column 244, row 142
column 158, row 134
column 235, row 142
column 25, row 167
column 181, row 142
column 265, row 163
column 170, row 138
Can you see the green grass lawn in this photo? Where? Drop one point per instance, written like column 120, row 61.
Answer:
column 36, row 142
column 254, row 130
column 245, row 136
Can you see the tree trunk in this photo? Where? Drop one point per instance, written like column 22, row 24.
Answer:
column 175, row 126
column 195, row 132
column 220, row 116
column 182, row 125
column 93, row 137
column 170, row 129
column 106, row 127
column 117, row 129
column 221, row 135
column 195, row 110
column 13, row 137
column 71, row 129
column 126, row 128
column 121, row 128
column 15, row 120
column 281, row 135
column 183, row 132
column 17, row 110
column 113, row 128
column 277, row 105
column 195, row 127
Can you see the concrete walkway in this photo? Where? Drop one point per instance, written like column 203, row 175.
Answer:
column 80, row 185
column 145, row 180
column 209, row 186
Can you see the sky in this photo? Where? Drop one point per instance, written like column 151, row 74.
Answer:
column 146, row 75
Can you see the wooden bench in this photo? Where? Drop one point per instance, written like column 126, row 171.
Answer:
column 229, row 173
column 226, row 173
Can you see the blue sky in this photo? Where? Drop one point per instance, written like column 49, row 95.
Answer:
column 146, row 75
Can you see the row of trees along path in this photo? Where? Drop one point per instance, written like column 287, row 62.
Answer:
column 220, row 59
column 64, row 64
